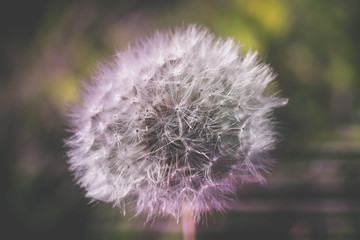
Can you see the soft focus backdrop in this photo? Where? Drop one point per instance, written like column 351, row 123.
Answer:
column 314, row 190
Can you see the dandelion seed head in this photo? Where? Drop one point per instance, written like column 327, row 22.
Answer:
column 179, row 118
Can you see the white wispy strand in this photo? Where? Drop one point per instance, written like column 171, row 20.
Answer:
column 180, row 118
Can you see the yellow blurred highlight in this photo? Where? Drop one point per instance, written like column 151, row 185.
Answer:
column 63, row 90
column 272, row 15
column 240, row 32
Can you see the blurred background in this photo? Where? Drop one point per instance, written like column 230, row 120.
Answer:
column 312, row 193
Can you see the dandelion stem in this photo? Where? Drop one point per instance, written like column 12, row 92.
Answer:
column 188, row 224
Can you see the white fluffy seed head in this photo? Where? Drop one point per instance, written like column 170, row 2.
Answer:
column 180, row 118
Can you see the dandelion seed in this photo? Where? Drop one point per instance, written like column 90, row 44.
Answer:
column 178, row 119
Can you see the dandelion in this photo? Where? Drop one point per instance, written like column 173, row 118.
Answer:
column 176, row 121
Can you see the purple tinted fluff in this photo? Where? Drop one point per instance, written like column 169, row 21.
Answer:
column 179, row 119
